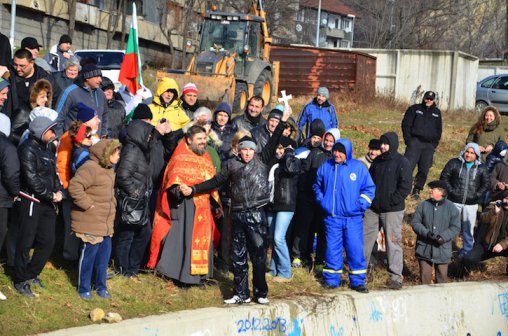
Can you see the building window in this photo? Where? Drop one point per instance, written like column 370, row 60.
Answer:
column 337, row 23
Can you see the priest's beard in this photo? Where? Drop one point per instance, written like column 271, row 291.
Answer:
column 197, row 150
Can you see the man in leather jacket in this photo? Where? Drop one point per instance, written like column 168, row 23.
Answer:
column 40, row 191
column 252, row 116
column 248, row 177
column 467, row 179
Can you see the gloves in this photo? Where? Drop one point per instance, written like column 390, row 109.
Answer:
column 435, row 239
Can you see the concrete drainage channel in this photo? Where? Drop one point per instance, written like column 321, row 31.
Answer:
column 466, row 308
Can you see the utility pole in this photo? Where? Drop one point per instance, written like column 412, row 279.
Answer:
column 319, row 23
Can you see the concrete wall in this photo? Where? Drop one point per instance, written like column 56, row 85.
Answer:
column 451, row 309
column 452, row 74
column 488, row 70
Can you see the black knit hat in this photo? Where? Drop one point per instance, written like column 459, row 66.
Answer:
column 107, row 83
column 90, row 70
column 142, row 111
column 317, row 127
column 65, row 39
column 247, row 142
column 375, row 144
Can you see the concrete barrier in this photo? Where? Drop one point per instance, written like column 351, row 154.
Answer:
column 465, row 308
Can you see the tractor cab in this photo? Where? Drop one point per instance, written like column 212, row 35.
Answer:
column 223, row 35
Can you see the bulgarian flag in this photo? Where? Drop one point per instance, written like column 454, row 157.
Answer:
column 130, row 71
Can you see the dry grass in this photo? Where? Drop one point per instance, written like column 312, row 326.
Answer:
column 58, row 306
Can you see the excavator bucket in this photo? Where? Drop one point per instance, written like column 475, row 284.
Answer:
column 212, row 89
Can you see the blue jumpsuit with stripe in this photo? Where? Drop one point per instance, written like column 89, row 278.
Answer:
column 344, row 191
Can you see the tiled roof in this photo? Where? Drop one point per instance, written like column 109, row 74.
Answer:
column 332, row 6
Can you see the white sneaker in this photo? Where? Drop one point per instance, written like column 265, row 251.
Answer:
column 2, row 296
column 262, row 300
column 236, row 300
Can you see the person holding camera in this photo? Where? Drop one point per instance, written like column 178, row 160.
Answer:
column 492, row 238
column 436, row 223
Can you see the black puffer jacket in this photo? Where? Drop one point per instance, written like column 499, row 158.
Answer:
column 249, row 181
column 286, row 183
column 9, row 172
column 116, row 116
column 422, row 122
column 465, row 186
column 392, row 176
column 134, row 175
column 38, row 169
column 316, row 157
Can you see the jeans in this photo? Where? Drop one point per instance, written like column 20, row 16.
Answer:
column 94, row 258
column 280, row 265
column 468, row 216
column 131, row 243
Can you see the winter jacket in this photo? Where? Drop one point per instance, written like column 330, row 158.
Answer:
column 366, row 160
column 64, row 159
column 311, row 111
column 495, row 157
column 93, row 185
column 172, row 112
column 116, row 117
column 248, row 181
column 225, row 134
column 392, row 176
column 441, row 218
column 261, row 134
column 188, row 109
column 285, row 183
column 134, row 174
column 345, row 189
column 422, row 122
column 314, row 160
column 56, row 59
column 466, row 186
column 62, row 80
column 493, row 227
column 490, row 136
column 74, row 94
column 9, row 172
column 38, row 169
column 499, row 174
column 246, row 122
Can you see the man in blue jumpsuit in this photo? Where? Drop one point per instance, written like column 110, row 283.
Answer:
column 344, row 189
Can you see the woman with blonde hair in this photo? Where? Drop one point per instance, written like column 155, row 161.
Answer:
column 41, row 94
column 486, row 131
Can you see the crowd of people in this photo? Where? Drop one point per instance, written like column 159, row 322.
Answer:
column 182, row 190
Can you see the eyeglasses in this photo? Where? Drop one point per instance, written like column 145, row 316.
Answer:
column 19, row 66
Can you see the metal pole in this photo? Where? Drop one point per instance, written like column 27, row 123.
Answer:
column 352, row 29
column 13, row 24
column 318, row 24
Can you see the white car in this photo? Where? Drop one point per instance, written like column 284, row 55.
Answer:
column 109, row 61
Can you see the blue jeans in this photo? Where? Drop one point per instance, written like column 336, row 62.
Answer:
column 280, row 265
column 468, row 216
column 94, row 258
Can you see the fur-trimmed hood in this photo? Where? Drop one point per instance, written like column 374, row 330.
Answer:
column 101, row 151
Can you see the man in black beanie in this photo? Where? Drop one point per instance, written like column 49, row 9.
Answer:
column 87, row 90
column 374, row 151
column 262, row 133
column 60, row 53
